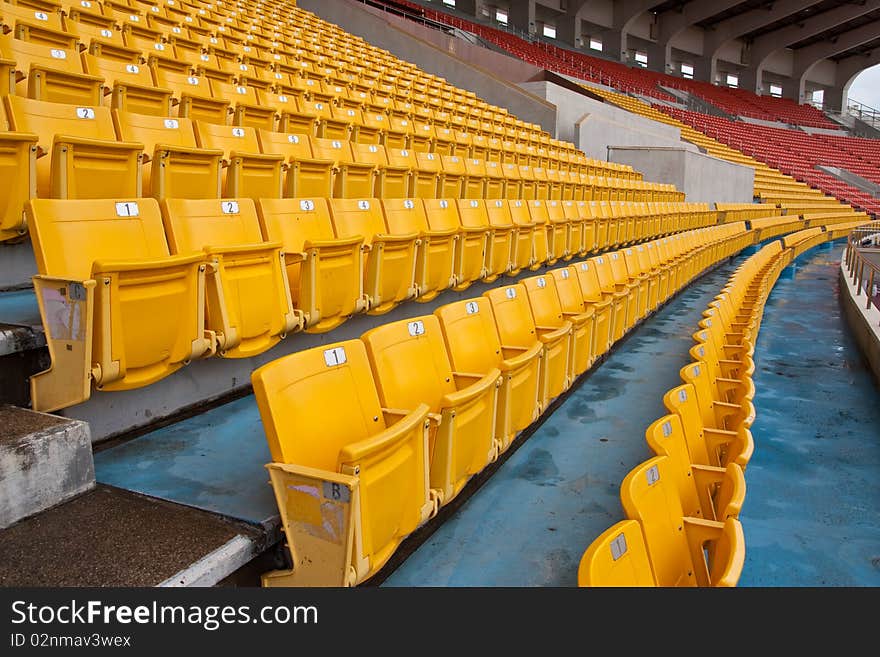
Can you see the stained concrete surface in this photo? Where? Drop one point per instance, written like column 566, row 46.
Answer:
column 109, row 537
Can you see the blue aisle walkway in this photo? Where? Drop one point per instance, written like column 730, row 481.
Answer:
column 812, row 510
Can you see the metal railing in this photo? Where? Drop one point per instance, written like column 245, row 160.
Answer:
column 863, row 271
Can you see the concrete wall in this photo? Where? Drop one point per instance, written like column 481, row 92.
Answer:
column 701, row 177
column 17, row 265
column 864, row 323
column 592, row 125
column 484, row 72
column 44, row 460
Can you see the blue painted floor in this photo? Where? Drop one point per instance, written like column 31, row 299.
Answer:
column 212, row 461
column 19, row 307
column 812, row 510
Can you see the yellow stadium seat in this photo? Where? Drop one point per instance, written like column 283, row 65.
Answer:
column 623, row 301
column 351, row 178
column 558, row 231
column 247, row 292
column 305, row 176
column 350, row 478
column 473, row 242
column 390, row 260
column 618, row 557
column 708, row 445
column 524, row 249
column 604, row 305
column 182, row 169
column 705, row 491
column 501, row 257
column 129, row 85
column 684, row 551
column 247, row 172
column 391, row 180
column 119, row 311
column 582, row 316
column 544, row 233
column 716, row 412
column 78, row 154
column 548, row 314
column 325, row 273
column 452, row 177
column 462, row 406
column 729, row 381
column 436, row 248
column 18, row 166
column 192, row 95
column 516, row 328
column 473, row 345
column 246, row 104
column 36, row 24
column 401, row 183
column 647, row 281
column 49, row 73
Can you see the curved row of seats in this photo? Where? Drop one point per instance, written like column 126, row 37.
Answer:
column 370, row 437
column 681, row 507
column 131, row 290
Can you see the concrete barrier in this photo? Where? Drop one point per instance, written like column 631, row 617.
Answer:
column 703, row 178
column 44, row 460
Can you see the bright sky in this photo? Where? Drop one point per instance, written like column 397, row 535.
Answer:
column 866, row 87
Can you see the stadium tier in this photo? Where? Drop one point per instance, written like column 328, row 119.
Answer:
column 242, row 210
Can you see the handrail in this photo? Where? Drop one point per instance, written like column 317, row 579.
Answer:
column 862, row 270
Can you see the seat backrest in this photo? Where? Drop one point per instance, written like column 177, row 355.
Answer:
column 498, row 213
column 353, row 217
column 27, row 53
column 587, row 275
column 544, row 300
column 316, row 401
column 417, row 341
column 294, row 221
column 513, row 316
column 193, row 224
column 472, row 213
column 649, row 494
column 47, row 119
column 470, row 335
column 295, row 145
column 338, row 150
column 151, row 130
column 188, row 84
column 69, row 235
column 519, row 212
column 602, row 267
column 617, row 557
column 568, row 289
column 618, row 267
column 665, row 436
column 404, row 215
column 442, row 214
column 115, row 71
column 228, row 138
column 682, row 400
column 372, row 154
column 538, row 211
